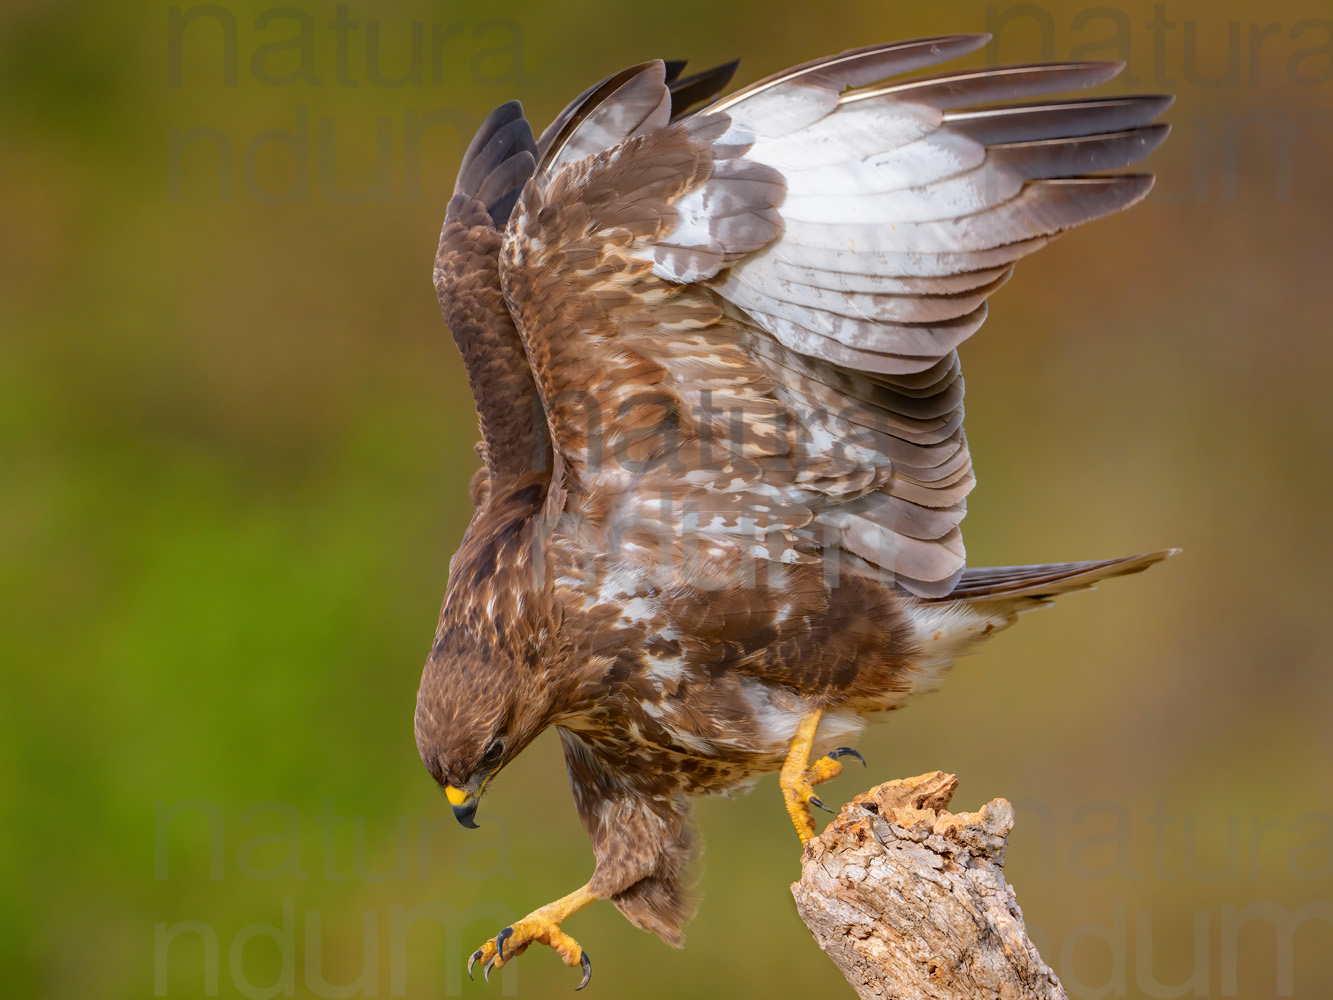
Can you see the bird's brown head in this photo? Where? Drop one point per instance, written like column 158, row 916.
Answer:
column 477, row 708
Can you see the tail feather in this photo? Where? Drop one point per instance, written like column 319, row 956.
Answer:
column 1039, row 583
column 988, row 600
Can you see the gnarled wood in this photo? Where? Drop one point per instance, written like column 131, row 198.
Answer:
column 910, row 901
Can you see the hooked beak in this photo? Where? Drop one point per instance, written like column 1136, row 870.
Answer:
column 465, row 806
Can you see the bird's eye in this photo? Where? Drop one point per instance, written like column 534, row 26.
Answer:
column 493, row 753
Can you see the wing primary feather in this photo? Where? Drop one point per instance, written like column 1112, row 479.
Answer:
column 700, row 88
column 500, row 191
column 1054, row 158
column 996, row 83
column 552, row 130
column 513, row 139
column 508, row 112
column 1056, row 119
column 857, row 67
column 583, row 111
column 672, row 68
column 500, row 157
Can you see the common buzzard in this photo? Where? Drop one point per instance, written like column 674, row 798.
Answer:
column 714, row 358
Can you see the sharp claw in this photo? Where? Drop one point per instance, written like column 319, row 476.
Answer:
column 586, row 962
column 500, row 939
column 847, row 752
column 814, row 801
column 505, row 934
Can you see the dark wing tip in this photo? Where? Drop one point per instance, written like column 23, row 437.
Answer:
column 498, row 161
column 700, row 88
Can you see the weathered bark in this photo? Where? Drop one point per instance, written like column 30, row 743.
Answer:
column 909, row 900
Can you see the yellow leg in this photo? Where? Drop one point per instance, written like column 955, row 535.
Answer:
column 799, row 776
column 541, row 925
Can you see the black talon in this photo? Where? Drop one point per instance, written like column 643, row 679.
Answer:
column 814, row 801
column 586, row 962
column 486, row 969
column 500, row 939
column 847, row 752
column 473, row 961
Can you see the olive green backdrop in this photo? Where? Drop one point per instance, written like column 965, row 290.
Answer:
column 236, row 444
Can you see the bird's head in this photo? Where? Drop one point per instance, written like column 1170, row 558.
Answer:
column 476, row 710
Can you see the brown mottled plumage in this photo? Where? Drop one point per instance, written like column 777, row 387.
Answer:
column 714, row 363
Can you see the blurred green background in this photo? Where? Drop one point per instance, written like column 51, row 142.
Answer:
column 236, row 445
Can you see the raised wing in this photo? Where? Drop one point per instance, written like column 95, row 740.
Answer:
column 499, row 161
column 746, row 321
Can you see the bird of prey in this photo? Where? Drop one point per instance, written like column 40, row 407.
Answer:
column 713, row 351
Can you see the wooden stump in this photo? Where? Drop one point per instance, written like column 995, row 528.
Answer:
column 909, row 900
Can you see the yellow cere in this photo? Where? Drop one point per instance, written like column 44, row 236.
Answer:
column 456, row 796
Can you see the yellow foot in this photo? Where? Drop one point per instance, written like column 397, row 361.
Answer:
column 798, row 780
column 541, row 926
